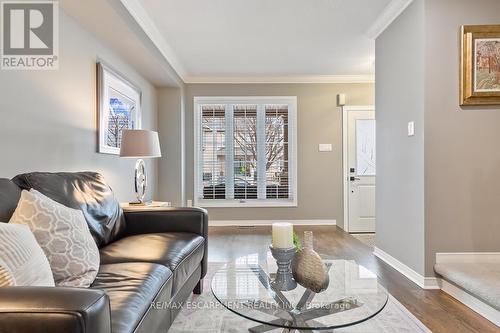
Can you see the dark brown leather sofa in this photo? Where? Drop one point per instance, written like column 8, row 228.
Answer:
column 150, row 263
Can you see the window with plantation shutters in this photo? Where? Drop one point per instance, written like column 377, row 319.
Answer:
column 245, row 152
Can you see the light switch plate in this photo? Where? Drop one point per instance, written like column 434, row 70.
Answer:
column 325, row 147
column 411, row 128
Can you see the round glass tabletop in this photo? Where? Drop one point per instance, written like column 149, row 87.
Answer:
column 244, row 287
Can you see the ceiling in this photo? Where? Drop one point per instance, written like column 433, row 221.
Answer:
column 173, row 41
column 242, row 38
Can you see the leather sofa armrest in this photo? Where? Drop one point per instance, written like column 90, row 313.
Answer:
column 170, row 219
column 54, row 309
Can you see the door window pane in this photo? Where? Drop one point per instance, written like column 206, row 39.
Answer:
column 365, row 147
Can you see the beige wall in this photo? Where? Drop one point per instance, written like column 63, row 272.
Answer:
column 48, row 118
column 462, row 158
column 319, row 121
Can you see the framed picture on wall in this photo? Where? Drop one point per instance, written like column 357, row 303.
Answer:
column 480, row 65
column 118, row 108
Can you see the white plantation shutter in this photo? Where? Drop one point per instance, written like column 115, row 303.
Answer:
column 245, row 151
column 212, row 171
column 277, row 152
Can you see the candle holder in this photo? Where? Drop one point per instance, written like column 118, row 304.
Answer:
column 284, row 279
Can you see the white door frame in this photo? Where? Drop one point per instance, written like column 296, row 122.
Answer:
column 345, row 161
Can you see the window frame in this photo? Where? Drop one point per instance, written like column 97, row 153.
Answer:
column 291, row 101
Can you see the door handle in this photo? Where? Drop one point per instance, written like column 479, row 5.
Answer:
column 352, row 178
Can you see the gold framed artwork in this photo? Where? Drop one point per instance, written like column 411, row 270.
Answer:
column 480, row 65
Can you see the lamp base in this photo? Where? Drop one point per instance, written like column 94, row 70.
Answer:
column 140, row 181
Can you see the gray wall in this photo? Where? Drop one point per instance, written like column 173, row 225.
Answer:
column 171, row 182
column 462, row 187
column 453, row 160
column 49, row 117
column 319, row 121
column 400, row 159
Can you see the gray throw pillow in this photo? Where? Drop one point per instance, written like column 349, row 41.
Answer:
column 64, row 237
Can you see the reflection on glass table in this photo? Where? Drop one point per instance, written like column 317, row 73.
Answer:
column 244, row 287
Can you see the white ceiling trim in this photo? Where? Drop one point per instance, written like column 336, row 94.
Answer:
column 135, row 8
column 284, row 79
column 388, row 15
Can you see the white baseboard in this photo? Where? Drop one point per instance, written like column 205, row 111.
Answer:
column 468, row 257
column 472, row 302
column 249, row 223
column 412, row 275
column 431, row 283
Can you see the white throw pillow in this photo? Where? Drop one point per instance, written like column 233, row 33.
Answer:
column 22, row 261
column 63, row 235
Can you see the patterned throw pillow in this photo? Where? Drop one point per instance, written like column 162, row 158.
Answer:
column 63, row 235
column 22, row 261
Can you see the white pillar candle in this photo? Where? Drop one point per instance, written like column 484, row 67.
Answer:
column 282, row 235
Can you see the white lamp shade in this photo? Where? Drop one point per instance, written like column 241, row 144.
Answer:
column 140, row 144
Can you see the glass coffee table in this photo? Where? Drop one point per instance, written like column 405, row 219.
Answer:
column 244, row 287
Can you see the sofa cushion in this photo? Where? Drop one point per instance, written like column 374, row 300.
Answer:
column 132, row 288
column 182, row 252
column 86, row 191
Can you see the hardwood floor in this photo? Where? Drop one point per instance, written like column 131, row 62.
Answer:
column 437, row 310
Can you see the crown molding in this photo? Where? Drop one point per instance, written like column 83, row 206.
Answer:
column 283, row 79
column 388, row 15
column 137, row 11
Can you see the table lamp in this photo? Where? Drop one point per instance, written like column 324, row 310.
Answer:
column 140, row 144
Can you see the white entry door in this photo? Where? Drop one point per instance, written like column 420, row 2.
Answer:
column 361, row 170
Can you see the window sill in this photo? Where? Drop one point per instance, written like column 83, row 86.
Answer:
column 245, row 204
